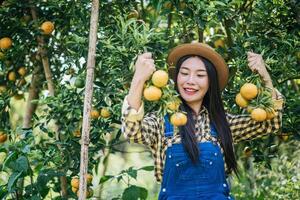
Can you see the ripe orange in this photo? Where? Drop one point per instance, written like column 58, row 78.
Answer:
column 249, row 91
column 75, row 182
column 247, row 151
column 22, row 71
column 3, row 137
column 95, row 114
column 160, row 78
column 47, row 27
column 259, row 114
column 239, row 100
column 105, row 113
column 89, row 178
column 152, row 93
column 219, row 43
column 271, row 114
column 172, row 105
column 5, row 43
column 178, row 119
column 12, row 76
column 77, row 133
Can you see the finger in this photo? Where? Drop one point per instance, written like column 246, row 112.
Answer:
column 249, row 53
column 149, row 60
column 251, row 59
column 252, row 64
column 147, row 55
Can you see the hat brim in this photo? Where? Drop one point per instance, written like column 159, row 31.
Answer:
column 203, row 50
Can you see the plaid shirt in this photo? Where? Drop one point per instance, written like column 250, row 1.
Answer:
column 149, row 129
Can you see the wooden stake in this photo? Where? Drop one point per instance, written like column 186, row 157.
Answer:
column 88, row 99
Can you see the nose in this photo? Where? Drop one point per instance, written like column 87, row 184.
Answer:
column 190, row 80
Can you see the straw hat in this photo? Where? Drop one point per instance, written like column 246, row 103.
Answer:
column 203, row 50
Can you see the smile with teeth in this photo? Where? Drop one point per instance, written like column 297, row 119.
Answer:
column 190, row 91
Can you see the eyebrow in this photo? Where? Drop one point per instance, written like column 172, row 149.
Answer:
column 202, row 70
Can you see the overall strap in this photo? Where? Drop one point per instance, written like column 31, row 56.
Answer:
column 168, row 126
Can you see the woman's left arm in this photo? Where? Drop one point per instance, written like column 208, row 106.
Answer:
column 243, row 127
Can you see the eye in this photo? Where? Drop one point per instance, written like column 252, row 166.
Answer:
column 183, row 73
column 200, row 75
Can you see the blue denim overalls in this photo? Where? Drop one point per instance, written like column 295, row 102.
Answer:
column 184, row 180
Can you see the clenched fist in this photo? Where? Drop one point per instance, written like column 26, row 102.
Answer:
column 144, row 67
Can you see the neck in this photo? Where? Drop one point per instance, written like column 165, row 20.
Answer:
column 195, row 106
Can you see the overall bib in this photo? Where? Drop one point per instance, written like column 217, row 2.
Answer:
column 184, row 180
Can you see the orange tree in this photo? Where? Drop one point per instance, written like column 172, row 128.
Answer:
column 45, row 70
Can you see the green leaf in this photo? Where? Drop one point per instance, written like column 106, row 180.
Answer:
column 22, row 164
column 147, row 168
column 12, row 156
column 12, row 180
column 134, row 193
column 132, row 172
column 105, row 178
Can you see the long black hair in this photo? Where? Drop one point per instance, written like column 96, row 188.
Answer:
column 213, row 103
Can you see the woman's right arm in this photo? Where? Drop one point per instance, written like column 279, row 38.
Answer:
column 135, row 126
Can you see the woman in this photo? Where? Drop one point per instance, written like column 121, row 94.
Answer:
column 192, row 161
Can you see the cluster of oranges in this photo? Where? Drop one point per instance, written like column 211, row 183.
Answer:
column 104, row 113
column 154, row 93
column 75, row 185
column 17, row 76
column 249, row 92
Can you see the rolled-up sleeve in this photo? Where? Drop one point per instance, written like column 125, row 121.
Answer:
column 138, row 128
column 243, row 127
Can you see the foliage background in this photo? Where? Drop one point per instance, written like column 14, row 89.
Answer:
column 33, row 159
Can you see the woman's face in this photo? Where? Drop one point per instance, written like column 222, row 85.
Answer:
column 192, row 80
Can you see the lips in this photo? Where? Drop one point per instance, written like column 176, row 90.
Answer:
column 190, row 91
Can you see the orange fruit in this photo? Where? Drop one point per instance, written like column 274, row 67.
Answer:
column 95, row 114
column 74, row 190
column 240, row 101
column 249, row 91
column 178, row 119
column 12, row 76
column 219, row 43
column 172, row 105
column 75, row 182
column 133, row 14
column 152, row 93
column 160, row 78
column 47, row 27
column 247, row 152
column 5, row 43
column 22, row 71
column 77, row 133
column 258, row 114
column 105, row 113
column 3, row 137
column 89, row 178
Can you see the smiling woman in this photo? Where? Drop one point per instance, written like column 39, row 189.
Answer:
column 193, row 160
